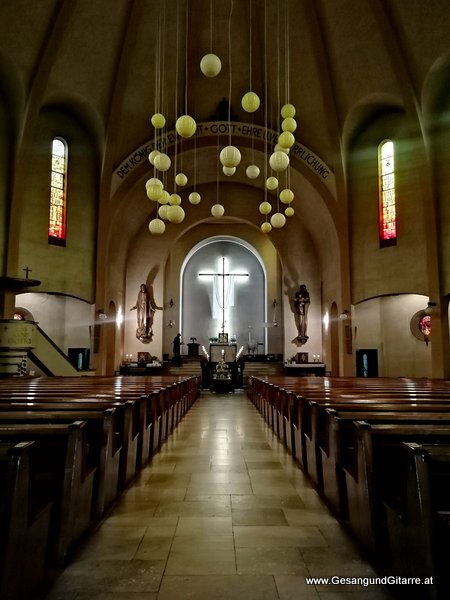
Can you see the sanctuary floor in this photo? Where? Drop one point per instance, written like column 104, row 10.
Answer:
column 222, row 512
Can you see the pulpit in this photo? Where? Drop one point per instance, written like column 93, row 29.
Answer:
column 193, row 349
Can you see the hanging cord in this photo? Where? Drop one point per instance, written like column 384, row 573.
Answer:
column 210, row 26
column 229, row 62
column 265, row 101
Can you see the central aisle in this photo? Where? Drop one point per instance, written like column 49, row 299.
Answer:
column 222, row 512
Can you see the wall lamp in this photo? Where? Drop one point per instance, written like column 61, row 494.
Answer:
column 344, row 315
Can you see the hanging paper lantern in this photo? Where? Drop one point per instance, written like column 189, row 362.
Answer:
column 286, row 139
column 153, row 154
column 265, row 208
column 186, row 126
column 153, row 181
column 154, row 192
column 175, row 200
column 162, row 211
column 289, row 212
column 217, row 210
column 194, row 198
column 279, row 148
column 181, row 179
column 229, row 171
column 288, row 110
column 230, row 156
column 250, row 102
column 158, row 121
column 266, row 227
column 286, row 196
column 165, row 197
column 271, row 183
column 279, row 161
column 210, row 65
column 175, row 214
column 277, row 220
column 289, row 124
column 157, row 226
column 162, row 162
column 252, row 171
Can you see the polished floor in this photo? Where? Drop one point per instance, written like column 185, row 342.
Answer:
column 221, row 513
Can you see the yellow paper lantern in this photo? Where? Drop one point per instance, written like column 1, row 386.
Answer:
column 271, row 183
column 157, row 226
column 252, row 171
column 210, row 65
column 186, row 126
column 181, row 179
column 162, row 211
column 165, row 197
column 277, row 220
column 230, row 156
column 175, row 200
column 288, row 110
column 175, row 214
column 194, row 198
column 286, row 196
column 279, row 161
column 289, row 124
column 286, row 139
column 158, row 121
column 162, row 162
column 217, row 210
column 289, row 212
column 151, row 157
column 229, row 171
column 265, row 207
column 250, row 102
column 153, row 181
column 266, row 227
column 154, row 192
column 279, row 148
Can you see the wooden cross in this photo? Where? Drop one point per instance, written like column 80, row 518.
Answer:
column 27, row 270
column 223, row 275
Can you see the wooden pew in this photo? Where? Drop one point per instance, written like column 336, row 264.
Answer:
column 419, row 523
column 24, row 524
column 60, row 474
column 375, row 475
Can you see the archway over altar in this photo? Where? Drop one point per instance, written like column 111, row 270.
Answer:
column 223, row 291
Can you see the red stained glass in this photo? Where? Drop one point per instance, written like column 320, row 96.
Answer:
column 58, row 194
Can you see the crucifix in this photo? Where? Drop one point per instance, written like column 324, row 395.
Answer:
column 224, row 303
column 27, row 270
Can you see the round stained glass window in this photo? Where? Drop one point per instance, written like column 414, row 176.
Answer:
column 425, row 325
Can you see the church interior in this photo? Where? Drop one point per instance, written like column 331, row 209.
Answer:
column 270, row 180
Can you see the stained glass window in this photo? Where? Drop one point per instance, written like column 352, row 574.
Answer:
column 387, row 210
column 58, row 193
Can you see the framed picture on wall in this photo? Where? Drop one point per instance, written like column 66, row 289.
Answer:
column 223, row 338
column 302, row 357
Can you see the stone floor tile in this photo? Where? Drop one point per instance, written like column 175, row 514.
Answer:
column 218, row 587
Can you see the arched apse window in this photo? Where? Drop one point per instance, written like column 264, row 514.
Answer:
column 58, row 193
column 387, row 210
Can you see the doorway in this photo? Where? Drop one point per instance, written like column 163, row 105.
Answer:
column 367, row 363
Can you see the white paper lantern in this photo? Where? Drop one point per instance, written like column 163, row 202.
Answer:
column 217, row 210
column 279, row 148
column 151, row 157
column 194, row 198
column 158, row 121
column 175, row 214
column 186, row 126
column 230, row 156
column 181, row 179
column 229, row 171
column 266, row 227
column 162, row 162
column 288, row 110
column 157, row 226
column 286, row 196
column 252, row 171
column 175, row 200
column 289, row 124
column 154, row 192
column 289, row 212
column 153, row 181
column 265, row 207
column 286, row 139
column 277, row 220
column 162, row 211
column 250, row 102
column 210, row 65
column 279, row 161
column 165, row 197
column 271, row 183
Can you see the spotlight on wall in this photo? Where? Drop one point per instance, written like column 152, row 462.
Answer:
column 344, row 315
column 171, row 323
column 430, row 308
column 102, row 316
column 171, row 303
